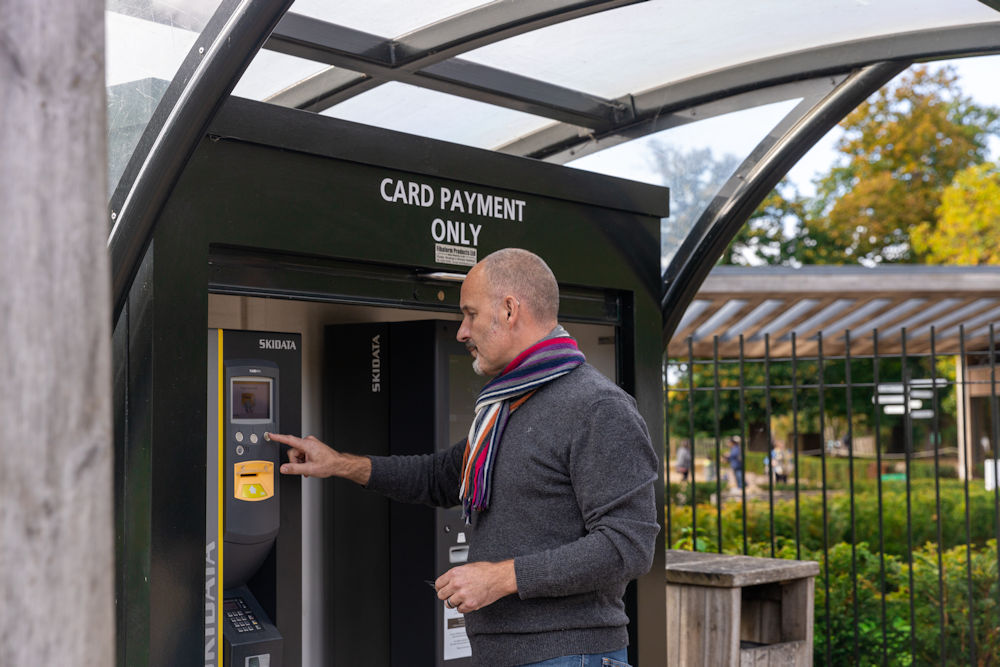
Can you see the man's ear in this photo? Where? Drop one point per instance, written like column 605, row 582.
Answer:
column 510, row 305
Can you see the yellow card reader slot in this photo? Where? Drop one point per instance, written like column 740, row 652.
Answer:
column 253, row 480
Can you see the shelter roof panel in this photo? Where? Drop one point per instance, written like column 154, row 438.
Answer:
column 385, row 17
column 453, row 118
column 598, row 54
column 825, row 301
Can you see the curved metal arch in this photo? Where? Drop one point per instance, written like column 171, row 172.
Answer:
column 362, row 60
column 560, row 143
column 750, row 184
column 209, row 72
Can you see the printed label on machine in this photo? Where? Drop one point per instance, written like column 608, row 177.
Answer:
column 456, row 642
column 454, row 254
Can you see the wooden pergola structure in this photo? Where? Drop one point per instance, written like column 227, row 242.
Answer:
column 767, row 305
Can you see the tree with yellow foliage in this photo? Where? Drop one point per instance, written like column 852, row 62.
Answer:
column 904, row 146
column 968, row 220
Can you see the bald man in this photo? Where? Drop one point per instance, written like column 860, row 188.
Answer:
column 555, row 480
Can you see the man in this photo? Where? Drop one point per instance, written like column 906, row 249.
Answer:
column 556, row 481
column 735, row 458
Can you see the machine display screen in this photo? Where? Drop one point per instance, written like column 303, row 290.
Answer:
column 251, row 400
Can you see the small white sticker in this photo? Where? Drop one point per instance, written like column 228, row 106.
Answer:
column 454, row 254
column 456, row 642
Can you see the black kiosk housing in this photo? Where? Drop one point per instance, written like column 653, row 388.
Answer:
column 420, row 401
column 289, row 221
column 254, row 389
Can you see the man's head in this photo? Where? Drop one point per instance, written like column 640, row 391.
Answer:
column 509, row 300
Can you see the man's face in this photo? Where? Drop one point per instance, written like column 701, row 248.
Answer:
column 481, row 329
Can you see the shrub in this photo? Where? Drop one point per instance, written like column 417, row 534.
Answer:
column 958, row 604
column 858, row 640
column 923, row 517
column 877, row 642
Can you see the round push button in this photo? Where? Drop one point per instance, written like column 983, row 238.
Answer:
column 239, row 436
column 253, row 438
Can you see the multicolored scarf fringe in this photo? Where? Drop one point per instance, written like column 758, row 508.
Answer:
column 543, row 362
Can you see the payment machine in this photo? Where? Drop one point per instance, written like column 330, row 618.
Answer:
column 285, row 219
column 254, row 382
column 404, row 388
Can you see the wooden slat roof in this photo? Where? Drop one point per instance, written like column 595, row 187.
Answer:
column 827, row 301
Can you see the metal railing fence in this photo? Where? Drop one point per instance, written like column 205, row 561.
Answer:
column 882, row 467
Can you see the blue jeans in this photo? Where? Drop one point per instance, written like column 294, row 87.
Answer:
column 617, row 658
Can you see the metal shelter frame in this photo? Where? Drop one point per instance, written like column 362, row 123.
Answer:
column 428, row 58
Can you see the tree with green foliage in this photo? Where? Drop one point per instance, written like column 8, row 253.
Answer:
column 774, row 234
column 882, row 202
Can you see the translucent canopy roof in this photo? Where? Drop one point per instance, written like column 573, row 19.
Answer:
column 591, row 65
column 557, row 80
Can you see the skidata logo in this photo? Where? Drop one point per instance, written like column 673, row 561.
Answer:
column 276, row 344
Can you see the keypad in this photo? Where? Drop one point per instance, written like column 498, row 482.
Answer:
column 239, row 615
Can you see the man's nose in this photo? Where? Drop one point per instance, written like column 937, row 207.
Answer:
column 463, row 333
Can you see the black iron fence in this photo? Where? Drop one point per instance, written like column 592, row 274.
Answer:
column 879, row 464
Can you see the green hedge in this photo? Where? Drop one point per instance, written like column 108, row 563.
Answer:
column 923, row 517
column 838, row 470
column 878, row 642
column 887, row 639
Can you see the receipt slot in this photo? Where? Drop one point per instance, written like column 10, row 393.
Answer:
column 250, row 373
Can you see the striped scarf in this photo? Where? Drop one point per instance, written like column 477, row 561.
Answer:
column 543, row 362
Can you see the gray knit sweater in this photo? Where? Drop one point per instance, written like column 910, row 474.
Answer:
column 572, row 503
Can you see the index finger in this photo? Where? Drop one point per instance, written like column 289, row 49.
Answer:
column 290, row 440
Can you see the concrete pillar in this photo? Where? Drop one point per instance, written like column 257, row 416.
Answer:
column 56, row 541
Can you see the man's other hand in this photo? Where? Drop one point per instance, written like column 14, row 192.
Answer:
column 310, row 457
column 475, row 585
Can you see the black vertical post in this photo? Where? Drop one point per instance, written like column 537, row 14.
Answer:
column 718, row 467
column 826, row 529
column 850, row 484
column 691, row 448
column 771, row 477
column 907, row 456
column 936, row 431
column 878, row 480
column 965, row 444
column 666, row 443
column 995, row 431
column 795, row 440
column 743, row 444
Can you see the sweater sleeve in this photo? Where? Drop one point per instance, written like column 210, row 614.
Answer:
column 429, row 479
column 613, row 470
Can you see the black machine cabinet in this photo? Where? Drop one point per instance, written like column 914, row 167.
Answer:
column 254, row 390
column 296, row 213
column 400, row 388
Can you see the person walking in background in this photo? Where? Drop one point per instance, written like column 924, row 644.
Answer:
column 683, row 462
column 778, row 463
column 735, row 458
